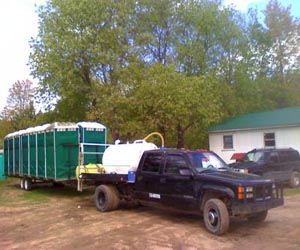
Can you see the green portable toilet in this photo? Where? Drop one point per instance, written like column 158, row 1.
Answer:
column 92, row 138
column 47, row 152
column 51, row 152
column 2, row 177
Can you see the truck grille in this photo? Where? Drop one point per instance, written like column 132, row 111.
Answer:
column 261, row 193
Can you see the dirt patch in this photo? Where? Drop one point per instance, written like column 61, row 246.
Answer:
column 72, row 222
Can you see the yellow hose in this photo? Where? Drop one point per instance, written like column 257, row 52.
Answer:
column 156, row 133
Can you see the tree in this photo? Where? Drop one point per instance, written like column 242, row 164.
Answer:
column 260, row 44
column 19, row 110
column 210, row 39
column 175, row 105
column 284, row 32
column 80, row 43
column 172, row 66
column 155, row 36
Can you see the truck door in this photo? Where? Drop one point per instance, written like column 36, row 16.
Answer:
column 273, row 167
column 147, row 180
column 288, row 162
column 177, row 190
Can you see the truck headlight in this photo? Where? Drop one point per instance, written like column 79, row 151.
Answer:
column 243, row 170
column 245, row 191
column 249, row 195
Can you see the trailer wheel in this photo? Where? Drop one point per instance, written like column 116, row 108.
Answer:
column 216, row 216
column 295, row 179
column 106, row 198
column 22, row 183
column 258, row 217
column 27, row 184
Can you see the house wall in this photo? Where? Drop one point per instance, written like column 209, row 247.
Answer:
column 246, row 140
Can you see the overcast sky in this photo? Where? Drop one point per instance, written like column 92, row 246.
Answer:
column 19, row 22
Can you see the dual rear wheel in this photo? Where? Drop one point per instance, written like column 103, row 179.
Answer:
column 26, row 183
column 107, row 198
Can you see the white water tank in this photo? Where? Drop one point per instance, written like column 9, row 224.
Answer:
column 122, row 158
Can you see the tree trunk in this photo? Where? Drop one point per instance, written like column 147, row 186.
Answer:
column 115, row 134
column 180, row 136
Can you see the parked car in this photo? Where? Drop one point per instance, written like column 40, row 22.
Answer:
column 276, row 164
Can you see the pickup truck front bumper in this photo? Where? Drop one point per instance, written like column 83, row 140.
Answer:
column 249, row 206
column 242, row 209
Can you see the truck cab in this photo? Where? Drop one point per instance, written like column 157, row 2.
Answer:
column 167, row 177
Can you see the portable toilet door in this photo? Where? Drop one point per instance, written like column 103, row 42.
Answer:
column 93, row 141
column 2, row 177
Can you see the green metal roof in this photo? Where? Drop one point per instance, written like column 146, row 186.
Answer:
column 267, row 119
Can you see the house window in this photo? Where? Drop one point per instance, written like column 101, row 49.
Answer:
column 227, row 142
column 269, row 139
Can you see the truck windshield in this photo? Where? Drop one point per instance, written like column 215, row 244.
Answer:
column 206, row 160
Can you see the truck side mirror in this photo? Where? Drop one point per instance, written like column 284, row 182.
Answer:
column 185, row 171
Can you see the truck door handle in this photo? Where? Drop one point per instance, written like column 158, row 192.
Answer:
column 162, row 180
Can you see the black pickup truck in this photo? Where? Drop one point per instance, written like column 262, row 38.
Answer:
column 191, row 181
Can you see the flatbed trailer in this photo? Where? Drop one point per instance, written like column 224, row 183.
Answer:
column 105, row 178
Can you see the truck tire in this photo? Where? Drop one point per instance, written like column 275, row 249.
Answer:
column 258, row 217
column 216, row 216
column 294, row 179
column 106, row 198
column 27, row 184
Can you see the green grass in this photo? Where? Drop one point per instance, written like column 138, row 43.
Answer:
column 291, row 191
column 10, row 193
column 34, row 197
column 8, row 180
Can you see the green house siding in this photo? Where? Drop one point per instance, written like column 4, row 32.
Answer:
column 268, row 119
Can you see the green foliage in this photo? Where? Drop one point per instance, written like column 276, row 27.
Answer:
column 19, row 112
column 176, row 67
column 284, row 32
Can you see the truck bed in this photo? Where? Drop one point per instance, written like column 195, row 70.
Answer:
column 105, row 178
